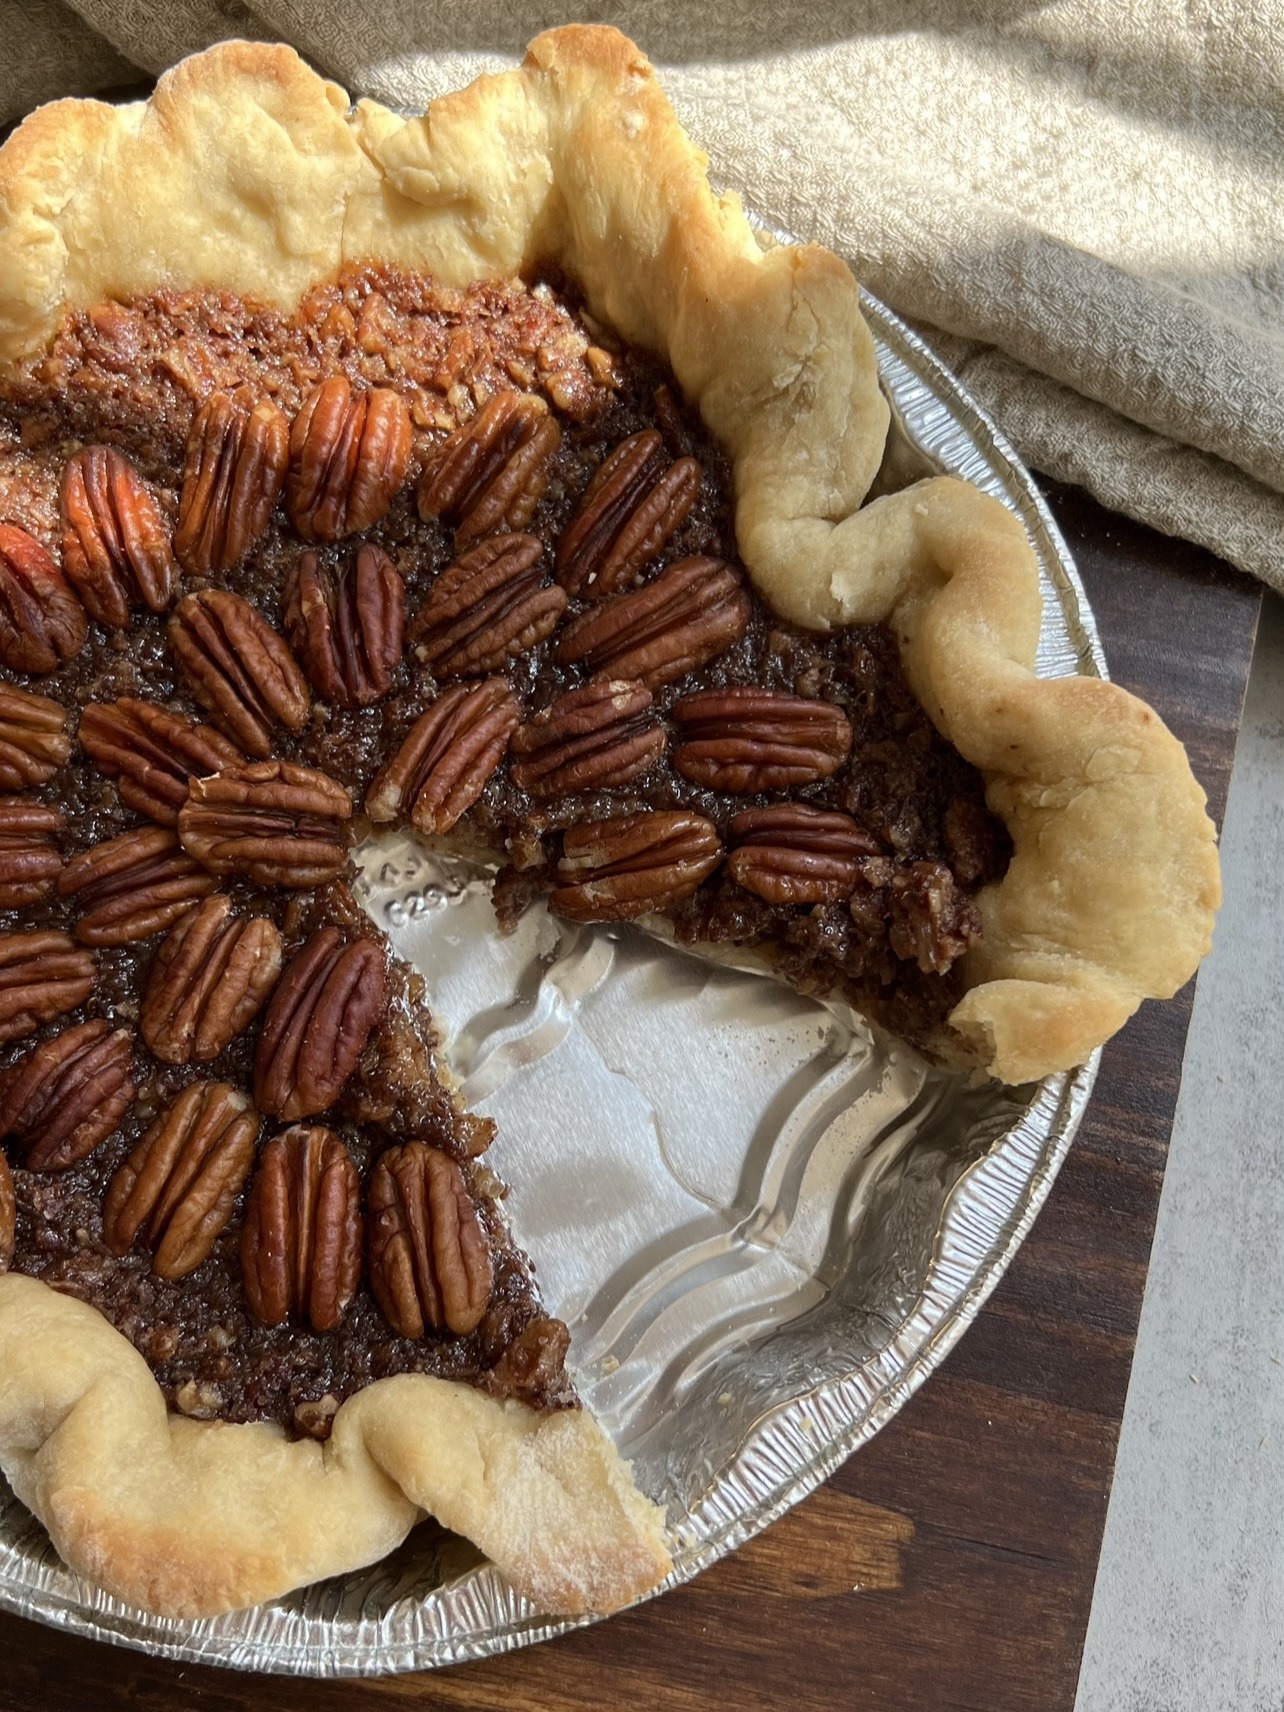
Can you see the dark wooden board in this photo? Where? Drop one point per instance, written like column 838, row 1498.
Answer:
column 950, row 1564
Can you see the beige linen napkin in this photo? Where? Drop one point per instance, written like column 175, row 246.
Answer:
column 1081, row 202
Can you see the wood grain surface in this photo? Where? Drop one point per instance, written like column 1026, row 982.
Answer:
column 950, row 1563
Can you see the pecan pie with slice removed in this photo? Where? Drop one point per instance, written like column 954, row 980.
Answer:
column 502, row 509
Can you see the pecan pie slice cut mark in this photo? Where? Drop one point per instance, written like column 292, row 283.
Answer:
column 428, row 1258
column 330, row 1000
column 302, row 1238
column 744, row 740
column 152, row 754
column 208, row 980
column 33, row 739
column 236, row 460
column 348, row 630
column 66, row 1096
column 42, row 975
column 794, row 854
column 178, row 1188
column 490, row 606
column 598, row 736
column 349, row 453
column 634, row 505
column 491, row 473
column 42, row 623
column 133, row 886
column 115, row 543
column 621, row 868
column 446, row 757
column 30, row 862
column 276, row 822
column 238, row 668
column 691, row 613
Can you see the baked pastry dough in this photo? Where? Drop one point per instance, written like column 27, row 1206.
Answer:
column 248, row 172
column 188, row 1518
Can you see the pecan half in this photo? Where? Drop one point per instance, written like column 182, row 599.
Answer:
column 29, row 861
column 33, row 739
column 635, row 503
column 68, row 1094
column 331, row 997
column 301, row 1241
column 793, row 854
column 115, row 543
column 42, row 622
column 593, row 737
column 447, row 756
column 349, row 453
column 179, row 1185
column 348, row 631
column 428, row 1258
column 238, row 668
column 151, row 753
column 690, row 614
column 492, row 604
column 492, row 471
column 207, row 982
column 617, row 869
column 278, row 823
column 8, row 1214
column 133, row 886
column 743, row 739
column 236, row 459
column 42, row 975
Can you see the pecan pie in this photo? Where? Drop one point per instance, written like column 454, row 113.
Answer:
column 374, row 472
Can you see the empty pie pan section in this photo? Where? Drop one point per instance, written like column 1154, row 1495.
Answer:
column 764, row 1226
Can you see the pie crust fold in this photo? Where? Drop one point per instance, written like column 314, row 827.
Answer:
column 248, row 172
column 190, row 1518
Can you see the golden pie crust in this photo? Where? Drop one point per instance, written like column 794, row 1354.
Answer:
column 248, row 172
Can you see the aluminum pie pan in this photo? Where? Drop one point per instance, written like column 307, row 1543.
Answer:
column 847, row 1211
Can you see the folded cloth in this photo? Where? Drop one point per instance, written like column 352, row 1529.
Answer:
column 1080, row 203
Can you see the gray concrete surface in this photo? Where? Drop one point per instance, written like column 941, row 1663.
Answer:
column 1188, row 1610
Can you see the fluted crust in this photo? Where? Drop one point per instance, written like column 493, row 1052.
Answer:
column 189, row 1518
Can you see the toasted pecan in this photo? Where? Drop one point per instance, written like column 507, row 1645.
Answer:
column 349, row 452
column 275, row 822
column 631, row 509
column 428, row 1258
column 446, row 757
column 348, row 630
column 239, row 668
column 330, row 999
column 630, row 864
column 42, row 622
column 236, row 461
column 178, row 1187
column 68, row 1094
column 491, row 605
column 208, row 980
column 491, row 473
column 601, row 735
column 115, row 543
